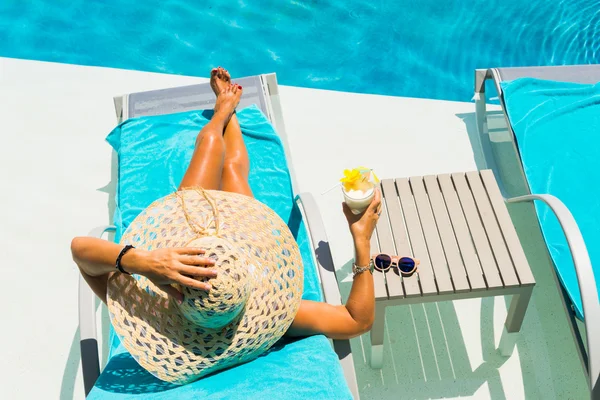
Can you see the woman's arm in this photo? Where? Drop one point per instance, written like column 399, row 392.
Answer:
column 357, row 315
column 96, row 260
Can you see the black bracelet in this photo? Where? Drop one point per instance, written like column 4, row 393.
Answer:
column 121, row 254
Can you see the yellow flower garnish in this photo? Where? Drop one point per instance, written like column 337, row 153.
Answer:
column 360, row 178
column 352, row 178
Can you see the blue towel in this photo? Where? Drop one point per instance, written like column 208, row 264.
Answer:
column 153, row 155
column 557, row 127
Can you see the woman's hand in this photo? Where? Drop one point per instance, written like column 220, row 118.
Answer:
column 363, row 225
column 171, row 265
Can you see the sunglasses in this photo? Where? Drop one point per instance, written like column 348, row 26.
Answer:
column 406, row 265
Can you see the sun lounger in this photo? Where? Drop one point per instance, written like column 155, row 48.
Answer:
column 261, row 95
column 547, row 113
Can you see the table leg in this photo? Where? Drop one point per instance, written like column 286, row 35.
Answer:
column 377, row 336
column 514, row 321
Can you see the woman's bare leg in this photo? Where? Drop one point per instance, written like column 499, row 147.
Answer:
column 206, row 166
column 236, row 165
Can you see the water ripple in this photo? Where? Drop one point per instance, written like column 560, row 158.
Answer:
column 424, row 48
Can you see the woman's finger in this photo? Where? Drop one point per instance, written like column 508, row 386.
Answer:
column 193, row 283
column 197, row 271
column 378, row 210
column 189, row 250
column 189, row 259
column 376, row 202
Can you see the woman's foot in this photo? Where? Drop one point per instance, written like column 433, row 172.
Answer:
column 227, row 100
column 219, row 80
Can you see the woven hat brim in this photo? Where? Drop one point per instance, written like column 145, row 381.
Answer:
column 150, row 324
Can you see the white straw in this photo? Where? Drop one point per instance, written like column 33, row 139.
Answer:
column 330, row 189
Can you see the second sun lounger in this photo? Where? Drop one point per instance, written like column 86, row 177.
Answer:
column 497, row 128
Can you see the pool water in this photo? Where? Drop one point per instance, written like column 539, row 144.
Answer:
column 416, row 48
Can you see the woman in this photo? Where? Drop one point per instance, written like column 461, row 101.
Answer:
column 220, row 162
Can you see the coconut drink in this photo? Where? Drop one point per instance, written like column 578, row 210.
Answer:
column 358, row 187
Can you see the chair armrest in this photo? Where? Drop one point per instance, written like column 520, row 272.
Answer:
column 326, row 269
column 88, row 342
column 320, row 244
column 585, row 279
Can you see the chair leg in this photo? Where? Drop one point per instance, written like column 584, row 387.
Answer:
column 514, row 320
column 377, row 336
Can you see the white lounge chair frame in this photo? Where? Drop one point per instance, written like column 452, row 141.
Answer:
column 263, row 91
column 590, row 351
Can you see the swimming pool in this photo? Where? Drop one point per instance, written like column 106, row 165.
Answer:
column 417, row 48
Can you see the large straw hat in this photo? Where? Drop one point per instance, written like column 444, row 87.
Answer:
column 253, row 299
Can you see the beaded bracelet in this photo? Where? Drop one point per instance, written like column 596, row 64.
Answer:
column 121, row 254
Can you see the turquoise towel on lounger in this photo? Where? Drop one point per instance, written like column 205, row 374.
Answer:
column 153, row 155
column 557, row 127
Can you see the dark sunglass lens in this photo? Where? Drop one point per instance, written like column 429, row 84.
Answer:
column 406, row 264
column 383, row 261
